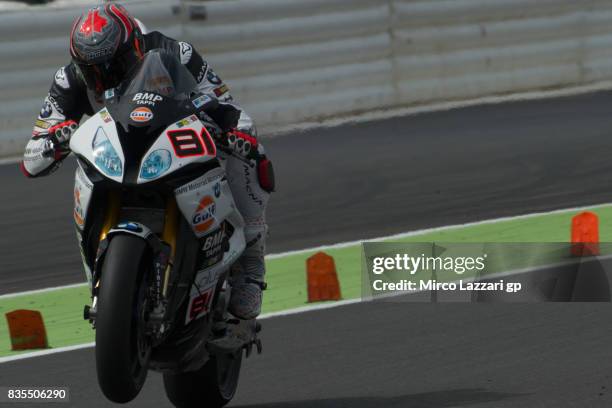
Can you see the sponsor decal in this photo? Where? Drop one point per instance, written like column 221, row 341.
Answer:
column 60, row 78
column 42, row 124
column 141, row 114
column 186, row 51
column 204, row 216
column 79, row 217
column 201, row 303
column 106, row 117
column 221, row 90
column 99, row 53
column 217, row 190
column 249, row 187
column 109, row 93
column 130, row 226
column 56, row 107
column 93, row 23
column 186, row 121
column 46, row 110
column 83, row 179
column 200, row 182
column 182, row 123
column 213, row 78
column 201, row 101
column 147, row 98
column 213, row 243
column 202, row 73
column 163, row 83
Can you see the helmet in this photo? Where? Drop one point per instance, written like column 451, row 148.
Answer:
column 105, row 42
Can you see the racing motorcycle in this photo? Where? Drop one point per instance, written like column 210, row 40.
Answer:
column 159, row 232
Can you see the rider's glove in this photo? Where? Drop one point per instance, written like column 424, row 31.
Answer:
column 61, row 133
column 59, row 137
column 242, row 144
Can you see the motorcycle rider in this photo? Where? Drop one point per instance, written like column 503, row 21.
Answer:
column 105, row 42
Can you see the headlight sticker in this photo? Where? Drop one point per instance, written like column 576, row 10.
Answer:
column 105, row 155
column 156, row 164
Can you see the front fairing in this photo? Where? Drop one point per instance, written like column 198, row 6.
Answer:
column 147, row 129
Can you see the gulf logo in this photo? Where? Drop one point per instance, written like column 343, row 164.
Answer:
column 141, row 114
column 204, row 216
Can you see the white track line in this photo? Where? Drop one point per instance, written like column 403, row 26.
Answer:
column 389, row 113
column 45, row 352
column 303, row 309
column 436, row 229
column 36, row 291
column 358, row 242
column 315, row 307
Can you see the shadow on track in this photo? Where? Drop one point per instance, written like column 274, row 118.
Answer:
column 438, row 399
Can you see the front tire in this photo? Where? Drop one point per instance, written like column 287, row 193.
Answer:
column 122, row 351
column 212, row 386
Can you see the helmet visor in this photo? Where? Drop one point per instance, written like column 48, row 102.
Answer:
column 105, row 75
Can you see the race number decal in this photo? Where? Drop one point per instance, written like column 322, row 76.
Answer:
column 187, row 143
column 200, row 304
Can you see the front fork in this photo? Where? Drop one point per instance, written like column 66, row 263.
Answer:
column 164, row 251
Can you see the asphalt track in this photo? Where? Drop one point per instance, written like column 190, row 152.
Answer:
column 395, row 355
column 365, row 180
column 370, row 180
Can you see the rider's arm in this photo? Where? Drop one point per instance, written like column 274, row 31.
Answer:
column 62, row 108
column 209, row 83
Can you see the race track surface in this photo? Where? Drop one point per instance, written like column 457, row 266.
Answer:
column 369, row 180
column 396, row 355
column 365, row 180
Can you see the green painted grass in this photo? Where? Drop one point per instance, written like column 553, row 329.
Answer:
column 62, row 309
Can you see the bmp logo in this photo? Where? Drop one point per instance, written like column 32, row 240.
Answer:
column 147, row 98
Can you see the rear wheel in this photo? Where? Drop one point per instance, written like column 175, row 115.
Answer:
column 122, row 348
column 212, row 386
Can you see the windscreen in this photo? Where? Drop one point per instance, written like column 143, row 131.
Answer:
column 161, row 73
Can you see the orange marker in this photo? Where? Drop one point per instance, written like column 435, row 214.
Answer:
column 322, row 278
column 27, row 330
column 585, row 234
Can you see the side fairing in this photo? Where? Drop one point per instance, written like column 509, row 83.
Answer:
column 83, row 190
column 206, row 203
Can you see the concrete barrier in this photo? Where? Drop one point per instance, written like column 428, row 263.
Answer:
column 288, row 61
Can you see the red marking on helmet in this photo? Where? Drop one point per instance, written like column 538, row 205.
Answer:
column 94, row 23
column 124, row 17
column 74, row 26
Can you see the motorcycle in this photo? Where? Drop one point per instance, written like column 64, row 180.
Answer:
column 159, row 231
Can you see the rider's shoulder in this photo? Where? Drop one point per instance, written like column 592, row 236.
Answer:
column 66, row 78
column 157, row 40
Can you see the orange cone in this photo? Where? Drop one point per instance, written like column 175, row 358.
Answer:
column 27, row 330
column 322, row 278
column 585, row 234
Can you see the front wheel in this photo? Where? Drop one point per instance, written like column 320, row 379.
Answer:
column 212, row 386
column 122, row 349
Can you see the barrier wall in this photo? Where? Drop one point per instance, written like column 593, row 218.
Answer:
column 288, row 61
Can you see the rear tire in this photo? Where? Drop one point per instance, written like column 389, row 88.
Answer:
column 122, row 352
column 212, row 386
